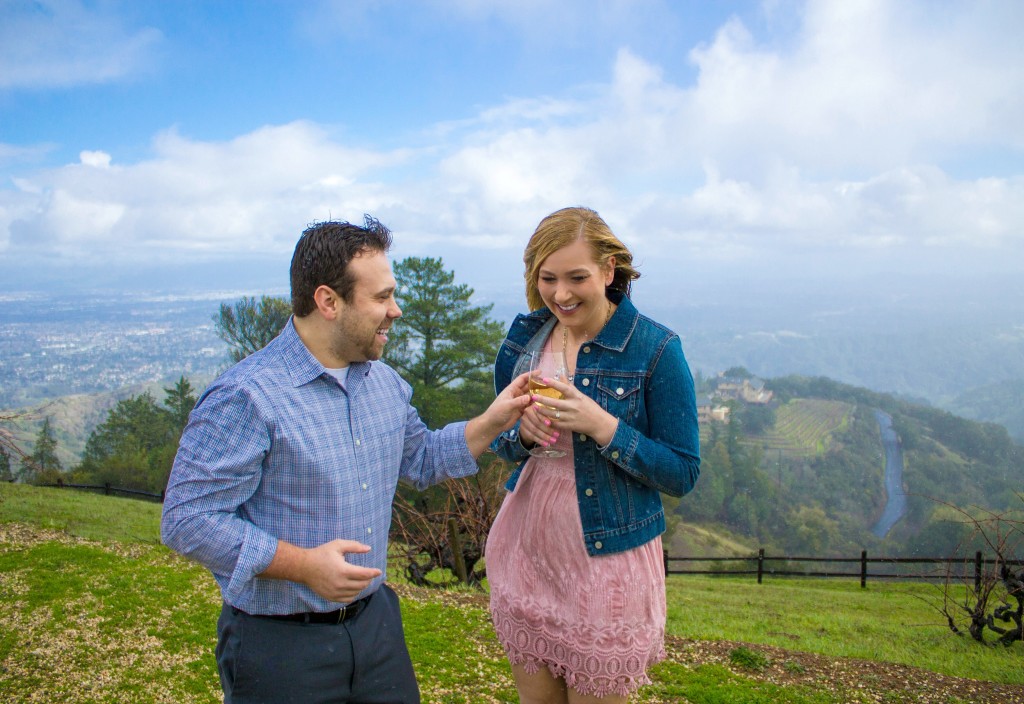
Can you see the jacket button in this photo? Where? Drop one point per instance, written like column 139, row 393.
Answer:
column 598, row 545
column 615, row 455
column 586, row 382
column 583, row 438
column 586, row 350
column 618, row 391
column 589, row 492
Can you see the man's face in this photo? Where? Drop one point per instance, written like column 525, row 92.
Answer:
column 364, row 322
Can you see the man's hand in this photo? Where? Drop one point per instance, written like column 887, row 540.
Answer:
column 323, row 569
column 501, row 415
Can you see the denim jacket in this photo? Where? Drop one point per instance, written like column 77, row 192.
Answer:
column 635, row 370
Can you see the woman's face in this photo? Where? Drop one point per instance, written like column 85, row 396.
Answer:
column 572, row 286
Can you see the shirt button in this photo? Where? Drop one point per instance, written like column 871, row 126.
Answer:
column 365, row 487
column 615, row 455
column 586, row 350
column 598, row 545
column 618, row 391
column 369, row 530
column 586, row 382
column 357, row 441
column 589, row 492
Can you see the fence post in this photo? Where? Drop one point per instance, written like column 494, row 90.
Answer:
column 863, row 568
column 977, row 571
column 456, row 546
column 760, row 564
column 106, row 488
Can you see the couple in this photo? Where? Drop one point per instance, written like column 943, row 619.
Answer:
column 284, row 478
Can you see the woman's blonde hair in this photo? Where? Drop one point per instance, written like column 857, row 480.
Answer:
column 562, row 228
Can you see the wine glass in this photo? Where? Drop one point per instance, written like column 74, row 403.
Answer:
column 547, row 364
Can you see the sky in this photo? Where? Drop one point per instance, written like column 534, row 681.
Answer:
column 739, row 145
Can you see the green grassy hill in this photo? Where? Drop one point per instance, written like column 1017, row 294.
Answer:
column 94, row 609
column 804, row 427
column 808, row 475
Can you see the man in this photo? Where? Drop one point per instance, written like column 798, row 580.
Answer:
column 284, row 478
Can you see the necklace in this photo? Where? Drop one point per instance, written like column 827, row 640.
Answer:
column 565, row 329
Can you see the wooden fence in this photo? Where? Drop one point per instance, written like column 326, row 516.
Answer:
column 957, row 568
column 108, row 490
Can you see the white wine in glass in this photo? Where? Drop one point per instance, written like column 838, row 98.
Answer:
column 547, row 364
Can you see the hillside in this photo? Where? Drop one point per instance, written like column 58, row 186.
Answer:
column 811, row 481
column 804, row 474
column 995, row 403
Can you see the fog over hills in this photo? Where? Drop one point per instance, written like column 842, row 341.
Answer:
column 958, row 345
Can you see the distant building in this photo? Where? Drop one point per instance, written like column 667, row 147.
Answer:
column 746, row 390
column 709, row 411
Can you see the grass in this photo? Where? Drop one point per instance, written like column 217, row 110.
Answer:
column 886, row 621
column 99, row 611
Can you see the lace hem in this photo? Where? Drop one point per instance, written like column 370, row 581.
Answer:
column 610, row 662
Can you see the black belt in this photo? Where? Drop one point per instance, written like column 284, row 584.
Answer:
column 341, row 615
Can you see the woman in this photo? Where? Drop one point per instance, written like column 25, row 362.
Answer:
column 574, row 558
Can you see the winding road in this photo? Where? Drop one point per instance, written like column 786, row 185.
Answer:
column 896, row 505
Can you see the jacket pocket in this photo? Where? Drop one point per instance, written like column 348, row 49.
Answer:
column 620, row 396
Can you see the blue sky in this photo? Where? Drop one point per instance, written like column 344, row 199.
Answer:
column 167, row 144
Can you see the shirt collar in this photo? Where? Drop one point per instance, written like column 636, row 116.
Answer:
column 303, row 367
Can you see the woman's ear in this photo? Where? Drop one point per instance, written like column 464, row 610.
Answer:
column 609, row 274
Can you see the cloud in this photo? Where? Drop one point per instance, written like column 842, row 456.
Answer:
column 61, row 43
column 839, row 139
column 250, row 194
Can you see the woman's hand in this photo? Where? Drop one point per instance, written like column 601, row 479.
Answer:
column 536, row 428
column 574, row 412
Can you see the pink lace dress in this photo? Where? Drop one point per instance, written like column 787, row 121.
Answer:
column 597, row 622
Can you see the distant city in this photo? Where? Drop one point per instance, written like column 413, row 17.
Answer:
column 51, row 348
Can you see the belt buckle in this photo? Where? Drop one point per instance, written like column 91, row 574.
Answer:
column 341, row 613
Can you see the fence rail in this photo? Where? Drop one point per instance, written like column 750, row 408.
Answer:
column 761, row 565
column 107, row 489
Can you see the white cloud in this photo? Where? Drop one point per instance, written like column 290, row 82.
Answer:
column 840, row 138
column 97, row 159
column 57, row 43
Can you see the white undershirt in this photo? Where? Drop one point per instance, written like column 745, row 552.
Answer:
column 340, row 374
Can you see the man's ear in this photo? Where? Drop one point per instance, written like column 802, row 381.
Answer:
column 328, row 302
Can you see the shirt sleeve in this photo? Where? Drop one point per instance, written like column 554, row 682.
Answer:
column 430, row 457
column 218, row 467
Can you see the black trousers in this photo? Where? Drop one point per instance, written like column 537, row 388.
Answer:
column 361, row 661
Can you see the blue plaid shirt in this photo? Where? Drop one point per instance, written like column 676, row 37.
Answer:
column 277, row 448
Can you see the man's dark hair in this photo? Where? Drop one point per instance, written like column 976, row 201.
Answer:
column 322, row 255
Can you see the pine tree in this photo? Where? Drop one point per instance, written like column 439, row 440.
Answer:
column 5, row 465
column 180, row 401
column 251, row 324
column 42, row 465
